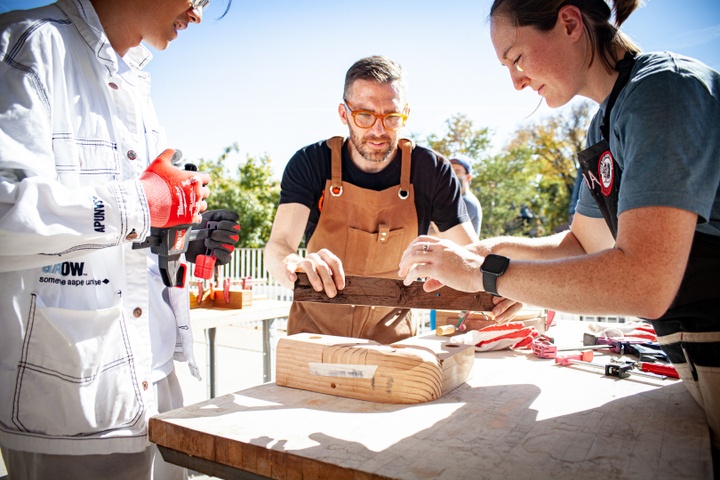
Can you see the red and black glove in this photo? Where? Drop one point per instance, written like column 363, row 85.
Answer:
column 175, row 196
column 219, row 232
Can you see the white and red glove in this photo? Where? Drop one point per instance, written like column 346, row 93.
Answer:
column 498, row 337
column 630, row 331
column 175, row 196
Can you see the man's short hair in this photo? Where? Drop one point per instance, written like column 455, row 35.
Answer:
column 376, row 69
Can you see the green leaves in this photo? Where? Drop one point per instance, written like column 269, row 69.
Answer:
column 536, row 170
column 249, row 190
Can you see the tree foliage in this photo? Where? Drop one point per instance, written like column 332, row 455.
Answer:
column 554, row 145
column 525, row 189
column 460, row 137
column 249, row 190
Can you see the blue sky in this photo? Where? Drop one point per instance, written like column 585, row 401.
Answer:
column 269, row 75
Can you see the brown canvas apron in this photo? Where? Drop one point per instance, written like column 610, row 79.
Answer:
column 368, row 230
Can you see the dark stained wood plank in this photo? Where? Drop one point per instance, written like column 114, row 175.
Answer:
column 387, row 292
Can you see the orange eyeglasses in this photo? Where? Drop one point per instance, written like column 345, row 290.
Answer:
column 366, row 119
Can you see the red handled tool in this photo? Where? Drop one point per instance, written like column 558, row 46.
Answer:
column 620, row 370
column 656, row 368
column 205, row 264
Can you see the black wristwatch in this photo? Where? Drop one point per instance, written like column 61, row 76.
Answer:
column 492, row 268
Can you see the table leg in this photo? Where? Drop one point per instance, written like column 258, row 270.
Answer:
column 267, row 353
column 210, row 342
column 214, row 469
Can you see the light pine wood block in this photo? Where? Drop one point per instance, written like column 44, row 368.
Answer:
column 415, row 370
column 216, row 299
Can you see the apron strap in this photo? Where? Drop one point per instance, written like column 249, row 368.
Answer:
column 335, row 144
column 624, row 67
column 406, row 146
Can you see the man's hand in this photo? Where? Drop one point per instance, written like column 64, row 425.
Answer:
column 443, row 262
column 218, row 241
column 323, row 268
column 175, row 196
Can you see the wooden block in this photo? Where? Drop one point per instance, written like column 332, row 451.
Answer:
column 415, row 370
column 216, row 299
column 445, row 330
column 238, row 299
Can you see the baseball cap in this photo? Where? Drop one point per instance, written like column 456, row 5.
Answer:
column 463, row 160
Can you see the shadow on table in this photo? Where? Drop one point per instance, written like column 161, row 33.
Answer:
column 471, row 432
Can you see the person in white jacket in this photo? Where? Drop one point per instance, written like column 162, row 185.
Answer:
column 88, row 329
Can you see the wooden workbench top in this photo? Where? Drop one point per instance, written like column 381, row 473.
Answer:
column 517, row 417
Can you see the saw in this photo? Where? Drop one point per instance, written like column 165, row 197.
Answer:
column 388, row 292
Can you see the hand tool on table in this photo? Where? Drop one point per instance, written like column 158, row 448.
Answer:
column 643, row 348
column 648, row 351
column 651, row 367
column 584, row 356
column 620, row 370
column 544, row 347
column 388, row 292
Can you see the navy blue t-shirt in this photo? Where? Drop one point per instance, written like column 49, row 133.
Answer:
column 438, row 197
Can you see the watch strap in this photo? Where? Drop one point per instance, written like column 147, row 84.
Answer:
column 490, row 283
column 492, row 268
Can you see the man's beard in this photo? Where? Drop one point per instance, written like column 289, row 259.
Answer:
column 370, row 154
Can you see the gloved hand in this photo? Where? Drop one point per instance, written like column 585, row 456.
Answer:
column 219, row 241
column 175, row 196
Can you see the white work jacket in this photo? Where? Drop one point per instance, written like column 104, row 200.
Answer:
column 75, row 134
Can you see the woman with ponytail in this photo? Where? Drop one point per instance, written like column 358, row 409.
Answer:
column 645, row 239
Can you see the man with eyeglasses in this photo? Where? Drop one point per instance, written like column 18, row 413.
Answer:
column 89, row 330
column 359, row 202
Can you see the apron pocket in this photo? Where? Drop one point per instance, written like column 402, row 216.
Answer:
column 373, row 254
column 82, row 360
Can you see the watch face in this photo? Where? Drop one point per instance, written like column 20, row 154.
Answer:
column 495, row 264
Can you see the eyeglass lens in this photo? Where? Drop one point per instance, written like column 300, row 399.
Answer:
column 391, row 121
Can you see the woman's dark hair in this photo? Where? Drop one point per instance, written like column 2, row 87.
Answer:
column 603, row 34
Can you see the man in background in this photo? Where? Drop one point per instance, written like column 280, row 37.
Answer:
column 462, row 166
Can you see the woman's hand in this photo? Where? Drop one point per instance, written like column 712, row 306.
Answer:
column 443, row 262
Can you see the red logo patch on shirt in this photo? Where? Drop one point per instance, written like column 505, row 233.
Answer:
column 606, row 172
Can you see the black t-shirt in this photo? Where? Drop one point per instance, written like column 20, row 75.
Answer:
column 438, row 197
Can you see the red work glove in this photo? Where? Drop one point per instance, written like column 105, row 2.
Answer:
column 219, row 240
column 498, row 337
column 175, row 196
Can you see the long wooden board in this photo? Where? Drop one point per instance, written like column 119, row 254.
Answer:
column 415, row 370
column 387, row 292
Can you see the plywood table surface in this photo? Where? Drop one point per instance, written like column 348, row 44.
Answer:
column 517, row 417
